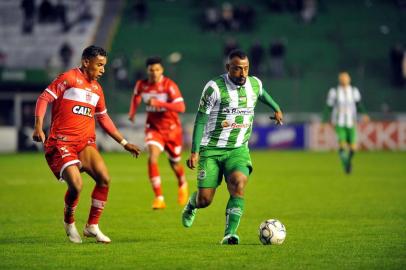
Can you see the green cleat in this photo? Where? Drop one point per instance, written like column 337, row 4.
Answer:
column 230, row 239
column 188, row 216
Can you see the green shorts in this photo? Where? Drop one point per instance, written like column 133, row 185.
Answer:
column 346, row 134
column 214, row 163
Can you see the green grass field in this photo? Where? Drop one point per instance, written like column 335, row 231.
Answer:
column 333, row 221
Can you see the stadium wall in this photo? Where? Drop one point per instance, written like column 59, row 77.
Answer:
column 385, row 135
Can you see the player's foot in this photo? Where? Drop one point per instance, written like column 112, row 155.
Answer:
column 188, row 215
column 93, row 230
column 183, row 194
column 158, row 203
column 72, row 233
column 230, row 239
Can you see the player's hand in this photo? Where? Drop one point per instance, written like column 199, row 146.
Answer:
column 278, row 117
column 38, row 135
column 192, row 161
column 133, row 149
column 365, row 119
column 132, row 119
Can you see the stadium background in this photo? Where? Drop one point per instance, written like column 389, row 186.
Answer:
column 316, row 39
column 333, row 220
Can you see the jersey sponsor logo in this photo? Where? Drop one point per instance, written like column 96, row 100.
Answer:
column 238, row 111
column 226, row 124
column 81, row 110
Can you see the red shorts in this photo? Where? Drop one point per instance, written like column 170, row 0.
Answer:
column 61, row 154
column 168, row 140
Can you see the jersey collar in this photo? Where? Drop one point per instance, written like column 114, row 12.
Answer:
column 232, row 84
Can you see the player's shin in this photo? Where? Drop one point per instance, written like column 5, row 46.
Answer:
column 343, row 157
column 99, row 198
column 71, row 201
column 155, row 178
column 234, row 211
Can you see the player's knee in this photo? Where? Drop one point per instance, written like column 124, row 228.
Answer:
column 76, row 185
column 203, row 201
column 104, row 180
column 153, row 159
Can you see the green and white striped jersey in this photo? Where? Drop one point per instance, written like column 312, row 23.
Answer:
column 230, row 108
column 343, row 100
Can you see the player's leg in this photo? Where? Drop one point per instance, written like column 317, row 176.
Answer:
column 342, row 145
column 63, row 161
column 72, row 177
column 209, row 177
column 154, row 152
column 237, row 169
column 93, row 164
column 173, row 146
column 352, row 142
column 183, row 188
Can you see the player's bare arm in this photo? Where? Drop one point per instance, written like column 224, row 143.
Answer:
column 192, row 161
column 38, row 134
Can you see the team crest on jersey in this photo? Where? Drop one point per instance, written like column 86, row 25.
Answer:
column 79, row 81
column 82, row 110
column 88, row 97
column 95, row 87
column 201, row 175
column 242, row 99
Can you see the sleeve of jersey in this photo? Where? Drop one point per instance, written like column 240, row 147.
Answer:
column 106, row 123
column 42, row 103
column 200, row 122
column 60, row 84
column 268, row 100
column 331, row 97
column 208, row 99
column 101, row 106
column 135, row 101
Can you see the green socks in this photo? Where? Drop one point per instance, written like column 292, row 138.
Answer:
column 235, row 208
column 192, row 201
column 344, row 157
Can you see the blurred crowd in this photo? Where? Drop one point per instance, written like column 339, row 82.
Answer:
column 54, row 12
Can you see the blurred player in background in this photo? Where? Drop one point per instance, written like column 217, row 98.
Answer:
column 221, row 132
column 343, row 102
column 163, row 130
column 77, row 100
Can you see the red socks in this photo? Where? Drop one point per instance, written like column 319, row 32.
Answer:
column 180, row 174
column 155, row 178
column 71, row 201
column 99, row 198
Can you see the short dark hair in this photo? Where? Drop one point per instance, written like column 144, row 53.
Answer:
column 93, row 51
column 237, row 53
column 153, row 60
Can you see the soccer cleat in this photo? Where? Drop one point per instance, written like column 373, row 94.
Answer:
column 230, row 239
column 93, row 230
column 72, row 233
column 183, row 194
column 158, row 203
column 188, row 216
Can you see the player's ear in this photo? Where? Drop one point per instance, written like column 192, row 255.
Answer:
column 85, row 62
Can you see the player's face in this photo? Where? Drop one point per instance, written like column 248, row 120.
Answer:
column 344, row 79
column 155, row 72
column 238, row 70
column 94, row 67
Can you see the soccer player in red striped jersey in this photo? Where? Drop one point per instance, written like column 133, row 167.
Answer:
column 77, row 100
column 163, row 130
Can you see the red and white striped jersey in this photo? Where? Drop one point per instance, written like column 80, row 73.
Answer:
column 165, row 90
column 77, row 102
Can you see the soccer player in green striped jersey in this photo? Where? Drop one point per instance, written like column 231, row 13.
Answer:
column 221, row 132
column 343, row 102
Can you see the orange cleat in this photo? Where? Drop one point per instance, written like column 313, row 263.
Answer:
column 183, row 194
column 158, row 203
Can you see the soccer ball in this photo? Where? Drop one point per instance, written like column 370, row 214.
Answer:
column 272, row 232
